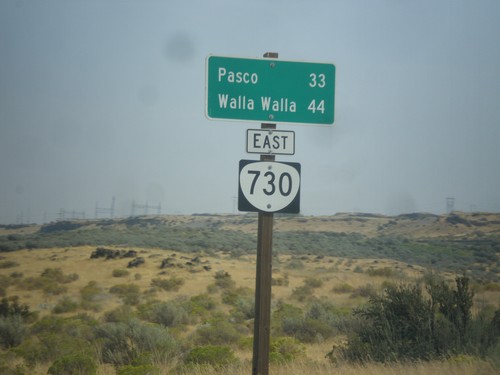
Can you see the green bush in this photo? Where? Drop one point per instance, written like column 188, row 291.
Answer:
column 12, row 331
column 201, row 304
column 120, row 273
column 244, row 308
column 285, row 349
column 78, row 364
column 129, row 293
column 384, row 272
column 231, row 296
column 405, row 324
column 303, row 293
column 121, row 314
column 54, row 337
column 343, row 288
column 56, row 274
column 282, row 281
column 214, row 355
column 313, row 282
column 218, row 331
column 49, row 281
column 282, row 312
column 365, row 291
column 168, row 314
column 65, row 305
column 8, row 264
column 90, row 294
column 123, row 343
column 320, row 322
column 172, row 284
column 295, row 264
column 10, row 306
column 223, row 280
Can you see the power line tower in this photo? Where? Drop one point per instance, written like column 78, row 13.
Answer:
column 450, row 205
column 71, row 215
column 104, row 210
column 145, row 208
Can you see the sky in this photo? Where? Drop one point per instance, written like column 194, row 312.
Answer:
column 103, row 99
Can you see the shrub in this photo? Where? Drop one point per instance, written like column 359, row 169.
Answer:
column 11, row 307
column 358, row 269
column 8, row 264
column 65, row 305
column 201, row 304
column 168, row 314
column 172, row 284
column 121, row 314
column 54, row 337
column 216, row 356
column 120, row 273
column 384, row 272
column 343, row 288
column 285, row 349
column 282, row 281
column 244, row 309
column 321, row 321
column 223, row 280
column 74, row 364
column 365, row 291
column 12, row 331
column 129, row 293
column 56, row 274
column 403, row 323
column 122, row 343
column 234, row 295
column 89, row 294
column 49, row 281
column 219, row 331
column 313, row 282
column 303, row 293
column 295, row 264
column 283, row 311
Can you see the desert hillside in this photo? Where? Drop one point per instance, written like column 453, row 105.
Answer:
column 185, row 284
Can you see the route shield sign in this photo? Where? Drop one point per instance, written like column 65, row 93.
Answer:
column 269, row 186
column 269, row 90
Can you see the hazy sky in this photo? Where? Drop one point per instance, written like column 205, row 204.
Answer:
column 106, row 98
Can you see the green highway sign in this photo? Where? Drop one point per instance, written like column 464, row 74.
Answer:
column 269, row 90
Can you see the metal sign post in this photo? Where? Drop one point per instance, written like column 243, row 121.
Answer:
column 277, row 91
column 262, row 322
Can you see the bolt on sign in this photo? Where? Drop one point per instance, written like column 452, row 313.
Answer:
column 269, row 90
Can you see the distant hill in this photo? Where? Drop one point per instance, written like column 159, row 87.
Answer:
column 457, row 242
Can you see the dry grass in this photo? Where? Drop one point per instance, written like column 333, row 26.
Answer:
column 450, row 367
column 459, row 366
column 333, row 272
